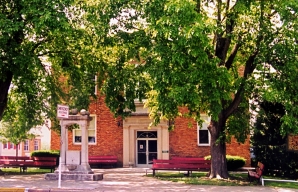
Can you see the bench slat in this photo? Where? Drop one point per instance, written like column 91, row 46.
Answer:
column 107, row 160
column 181, row 164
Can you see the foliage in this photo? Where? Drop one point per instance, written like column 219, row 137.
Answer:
column 233, row 162
column 45, row 153
column 50, row 55
column 19, row 119
column 207, row 56
column 270, row 145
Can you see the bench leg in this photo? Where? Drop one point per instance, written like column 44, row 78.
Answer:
column 153, row 172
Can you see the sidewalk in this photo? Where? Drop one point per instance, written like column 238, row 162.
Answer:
column 120, row 179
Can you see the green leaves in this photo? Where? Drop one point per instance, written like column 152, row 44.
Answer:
column 176, row 51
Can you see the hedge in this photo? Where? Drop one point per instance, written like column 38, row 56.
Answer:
column 233, row 162
column 45, row 153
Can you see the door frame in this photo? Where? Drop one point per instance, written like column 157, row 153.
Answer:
column 133, row 124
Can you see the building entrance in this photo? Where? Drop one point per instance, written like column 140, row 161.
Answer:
column 146, row 148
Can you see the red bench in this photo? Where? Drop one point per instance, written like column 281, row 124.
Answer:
column 257, row 174
column 45, row 162
column 103, row 160
column 23, row 162
column 181, row 164
column 188, row 158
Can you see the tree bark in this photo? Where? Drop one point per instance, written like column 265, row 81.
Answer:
column 218, row 149
column 4, row 88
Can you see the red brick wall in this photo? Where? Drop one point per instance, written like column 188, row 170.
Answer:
column 183, row 142
column 109, row 137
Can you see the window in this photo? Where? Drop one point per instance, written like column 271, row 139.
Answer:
column 36, row 145
column 5, row 146
column 10, row 146
column 203, row 132
column 77, row 133
column 26, row 145
column 95, row 82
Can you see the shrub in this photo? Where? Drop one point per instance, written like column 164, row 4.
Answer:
column 233, row 162
column 269, row 143
column 45, row 153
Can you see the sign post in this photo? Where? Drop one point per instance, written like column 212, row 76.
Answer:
column 62, row 111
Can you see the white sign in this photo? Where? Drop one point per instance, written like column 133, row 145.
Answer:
column 62, row 111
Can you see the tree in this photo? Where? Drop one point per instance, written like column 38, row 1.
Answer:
column 15, row 125
column 202, row 55
column 48, row 56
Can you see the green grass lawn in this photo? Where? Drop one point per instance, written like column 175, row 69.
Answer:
column 280, row 184
column 236, row 179
column 29, row 171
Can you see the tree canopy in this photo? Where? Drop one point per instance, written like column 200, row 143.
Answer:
column 208, row 56
column 49, row 55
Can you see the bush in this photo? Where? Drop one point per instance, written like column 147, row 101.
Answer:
column 233, row 162
column 278, row 161
column 45, row 153
column 269, row 143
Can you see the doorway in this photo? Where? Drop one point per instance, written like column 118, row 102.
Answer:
column 146, row 148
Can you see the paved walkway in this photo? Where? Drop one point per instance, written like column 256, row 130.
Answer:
column 120, row 179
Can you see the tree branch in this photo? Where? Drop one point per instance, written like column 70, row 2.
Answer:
column 232, row 56
column 249, row 68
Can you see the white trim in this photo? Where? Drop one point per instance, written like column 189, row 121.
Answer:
column 262, row 180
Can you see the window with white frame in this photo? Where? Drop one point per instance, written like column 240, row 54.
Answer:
column 36, row 145
column 203, row 132
column 26, row 145
column 77, row 133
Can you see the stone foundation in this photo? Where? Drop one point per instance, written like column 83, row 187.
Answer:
column 75, row 176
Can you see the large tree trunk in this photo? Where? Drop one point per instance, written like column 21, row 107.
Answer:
column 4, row 87
column 218, row 150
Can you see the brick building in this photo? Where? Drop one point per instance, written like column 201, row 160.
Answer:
column 134, row 144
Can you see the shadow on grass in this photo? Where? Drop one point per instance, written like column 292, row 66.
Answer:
column 200, row 178
column 235, row 179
